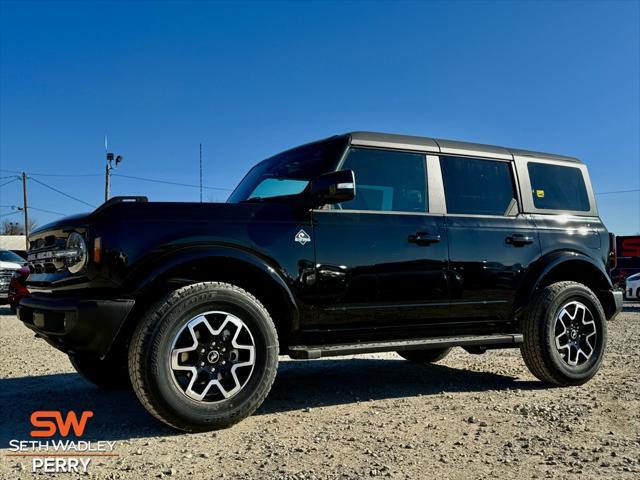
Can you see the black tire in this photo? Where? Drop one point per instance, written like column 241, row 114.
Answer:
column 150, row 366
column 425, row 356
column 539, row 350
column 109, row 373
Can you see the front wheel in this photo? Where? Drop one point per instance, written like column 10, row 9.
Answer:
column 425, row 356
column 565, row 334
column 204, row 357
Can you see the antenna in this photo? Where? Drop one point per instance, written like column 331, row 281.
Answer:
column 200, row 172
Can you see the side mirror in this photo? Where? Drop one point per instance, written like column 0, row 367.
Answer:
column 333, row 187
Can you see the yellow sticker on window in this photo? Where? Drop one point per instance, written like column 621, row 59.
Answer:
column 540, row 193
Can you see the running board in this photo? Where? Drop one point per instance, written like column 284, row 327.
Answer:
column 308, row 352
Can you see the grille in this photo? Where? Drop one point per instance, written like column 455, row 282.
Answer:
column 41, row 258
column 5, row 279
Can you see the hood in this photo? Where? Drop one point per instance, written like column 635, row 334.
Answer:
column 116, row 211
column 69, row 221
column 10, row 265
column 185, row 212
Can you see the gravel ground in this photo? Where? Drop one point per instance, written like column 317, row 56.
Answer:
column 470, row 416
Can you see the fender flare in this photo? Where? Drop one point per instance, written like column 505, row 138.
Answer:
column 146, row 275
column 546, row 264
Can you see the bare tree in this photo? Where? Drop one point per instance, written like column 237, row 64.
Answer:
column 16, row 228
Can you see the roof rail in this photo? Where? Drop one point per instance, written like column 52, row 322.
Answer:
column 122, row 199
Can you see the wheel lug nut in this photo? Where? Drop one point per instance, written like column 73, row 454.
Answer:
column 202, row 364
column 202, row 351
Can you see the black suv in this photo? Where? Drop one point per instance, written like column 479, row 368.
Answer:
column 364, row 242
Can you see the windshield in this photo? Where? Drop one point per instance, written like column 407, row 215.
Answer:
column 9, row 256
column 290, row 172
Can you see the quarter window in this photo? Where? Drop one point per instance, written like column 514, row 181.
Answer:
column 477, row 187
column 558, row 187
column 387, row 180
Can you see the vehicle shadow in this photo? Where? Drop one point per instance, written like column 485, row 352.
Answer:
column 118, row 415
column 631, row 308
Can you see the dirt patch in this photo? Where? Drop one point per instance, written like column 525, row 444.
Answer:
column 353, row 417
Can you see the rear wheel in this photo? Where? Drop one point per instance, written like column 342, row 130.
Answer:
column 204, row 357
column 565, row 334
column 109, row 373
column 425, row 356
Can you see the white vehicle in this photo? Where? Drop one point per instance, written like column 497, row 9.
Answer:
column 9, row 263
column 632, row 287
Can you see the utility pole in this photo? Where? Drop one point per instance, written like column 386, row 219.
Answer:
column 108, row 167
column 107, row 180
column 24, row 208
column 201, row 173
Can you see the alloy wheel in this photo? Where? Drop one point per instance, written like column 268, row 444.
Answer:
column 212, row 356
column 575, row 333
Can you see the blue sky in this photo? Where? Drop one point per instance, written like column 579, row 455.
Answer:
column 251, row 79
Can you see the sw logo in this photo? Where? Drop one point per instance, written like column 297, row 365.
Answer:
column 48, row 422
column 302, row 237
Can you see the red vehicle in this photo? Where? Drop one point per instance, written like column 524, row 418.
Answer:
column 18, row 287
column 628, row 263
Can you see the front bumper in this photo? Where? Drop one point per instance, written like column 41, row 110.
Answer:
column 75, row 325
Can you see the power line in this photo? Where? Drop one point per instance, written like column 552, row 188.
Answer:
column 61, row 192
column 46, row 211
column 10, row 181
column 619, row 191
column 171, row 183
column 66, row 174
column 55, row 174
column 19, row 209
column 8, row 214
column 167, row 182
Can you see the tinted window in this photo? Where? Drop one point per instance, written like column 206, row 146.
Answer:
column 476, row 187
column 289, row 173
column 556, row 187
column 387, row 181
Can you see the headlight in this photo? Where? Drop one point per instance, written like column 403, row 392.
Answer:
column 76, row 253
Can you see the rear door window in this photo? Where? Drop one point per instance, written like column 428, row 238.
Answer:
column 477, row 187
column 558, row 187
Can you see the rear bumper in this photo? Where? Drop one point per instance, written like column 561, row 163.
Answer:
column 75, row 325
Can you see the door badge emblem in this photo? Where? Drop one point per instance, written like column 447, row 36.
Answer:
column 302, row 237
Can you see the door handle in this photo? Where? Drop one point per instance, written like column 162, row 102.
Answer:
column 423, row 238
column 518, row 240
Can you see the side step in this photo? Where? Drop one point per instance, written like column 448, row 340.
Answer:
column 308, row 352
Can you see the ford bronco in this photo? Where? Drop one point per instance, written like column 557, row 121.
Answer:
column 364, row 242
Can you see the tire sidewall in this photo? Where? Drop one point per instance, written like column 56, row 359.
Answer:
column 167, row 394
column 587, row 370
